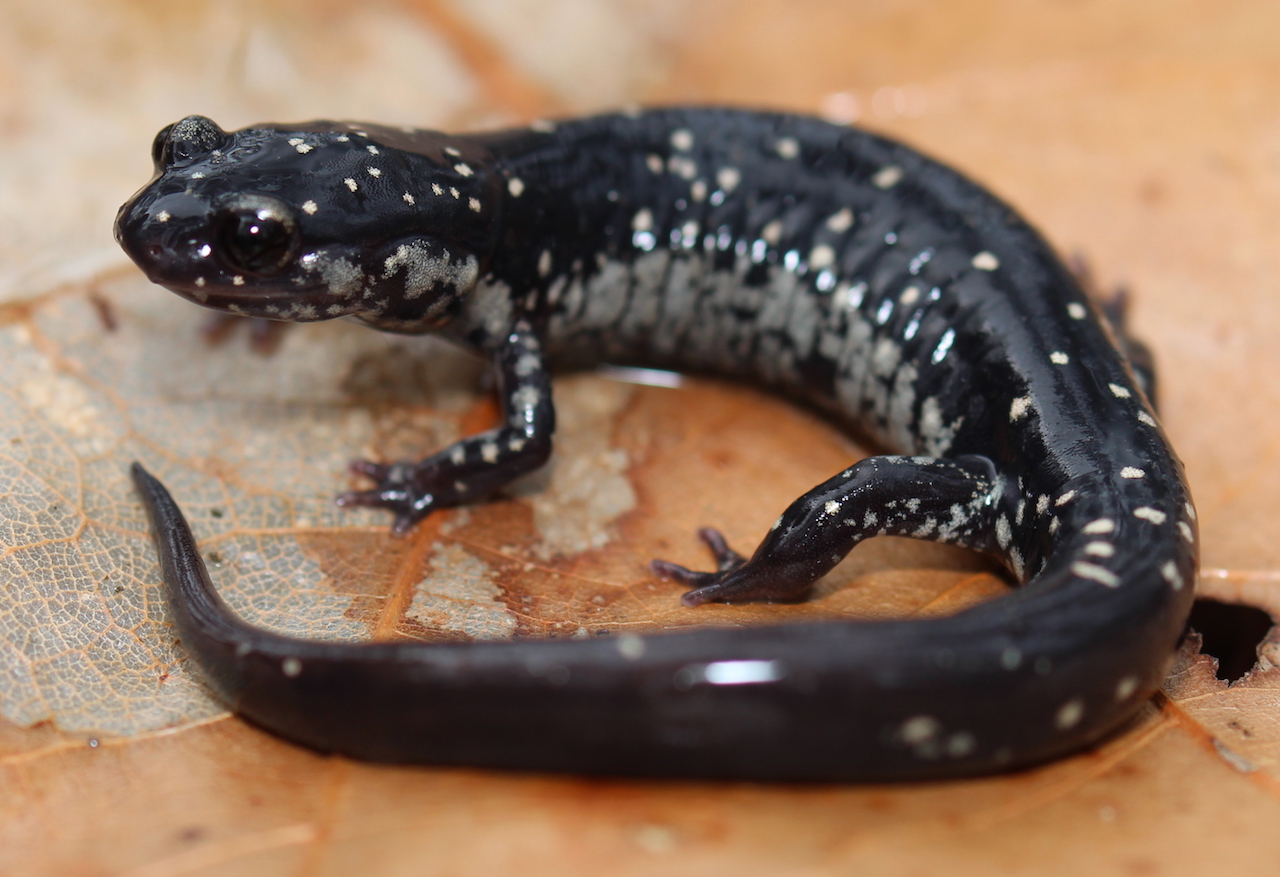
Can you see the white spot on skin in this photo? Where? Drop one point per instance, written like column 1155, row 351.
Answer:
column 1099, row 574
column 1076, row 311
column 788, row 147
column 1126, row 687
column 840, row 222
column 350, row 184
column 237, row 280
column 685, row 168
column 474, row 204
column 1171, row 575
column 373, row 150
column 300, row 145
column 1019, row 408
column 458, row 454
column 515, row 186
column 204, row 251
column 199, row 281
column 291, row 667
column 1147, row 513
column 630, row 646
column 698, row 191
column 960, row 744
column 643, row 220
column 1144, row 417
column 1099, row 527
column 163, row 215
column 919, row 729
column 463, row 169
column 653, row 163
column 1065, row 498
column 1119, row 391
column 887, row 177
column 1191, row 510
column 1100, row 549
column 409, row 199
column 682, row 139
column 1059, row 358
column 452, row 150
column 1042, row 504
column 526, row 398
column 728, row 179
column 374, row 172
column 772, row 232
column 489, row 452
column 1003, row 532
column 435, row 187
column 544, row 263
column 454, row 192
column 309, row 207
column 1185, row 529
column 1069, row 715
column 832, row 507
column 425, row 269
column 1132, row 472
column 909, row 295
column 821, row 257
column 985, row 261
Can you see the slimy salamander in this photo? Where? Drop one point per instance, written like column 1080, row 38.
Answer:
column 830, row 264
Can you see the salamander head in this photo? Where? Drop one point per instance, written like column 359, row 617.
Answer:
column 314, row 221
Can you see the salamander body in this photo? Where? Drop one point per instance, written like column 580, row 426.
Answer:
column 835, row 266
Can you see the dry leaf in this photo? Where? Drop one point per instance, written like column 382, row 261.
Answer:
column 1143, row 135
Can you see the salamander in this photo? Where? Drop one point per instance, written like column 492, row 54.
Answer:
column 838, row 267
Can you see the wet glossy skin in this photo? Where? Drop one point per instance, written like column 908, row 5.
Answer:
column 835, row 266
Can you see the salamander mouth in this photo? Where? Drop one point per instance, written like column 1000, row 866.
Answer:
column 272, row 303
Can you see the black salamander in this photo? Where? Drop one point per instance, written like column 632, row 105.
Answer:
column 835, row 266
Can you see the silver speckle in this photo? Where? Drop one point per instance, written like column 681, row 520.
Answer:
column 1093, row 572
column 1019, row 407
column 840, row 222
column 985, row 261
column 1070, row 714
column 887, row 177
column 1147, row 513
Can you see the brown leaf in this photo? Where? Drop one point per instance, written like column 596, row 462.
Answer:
column 1141, row 134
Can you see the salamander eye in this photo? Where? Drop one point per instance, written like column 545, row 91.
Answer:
column 191, row 138
column 257, row 234
column 158, row 145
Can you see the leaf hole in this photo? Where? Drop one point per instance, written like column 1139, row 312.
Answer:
column 1231, row 634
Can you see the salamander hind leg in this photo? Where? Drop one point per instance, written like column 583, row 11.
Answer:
column 941, row 500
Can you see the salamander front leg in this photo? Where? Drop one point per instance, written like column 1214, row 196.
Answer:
column 941, row 500
column 470, row 469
